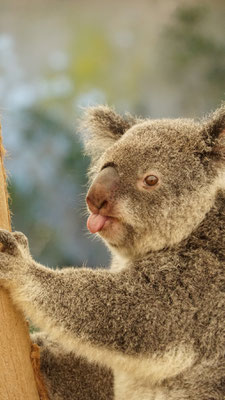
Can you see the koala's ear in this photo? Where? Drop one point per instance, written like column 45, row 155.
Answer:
column 102, row 127
column 214, row 134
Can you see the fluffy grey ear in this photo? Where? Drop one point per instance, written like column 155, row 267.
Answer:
column 214, row 134
column 102, row 127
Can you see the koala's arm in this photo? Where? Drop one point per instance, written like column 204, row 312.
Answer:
column 94, row 307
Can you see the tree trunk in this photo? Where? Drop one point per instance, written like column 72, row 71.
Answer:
column 17, row 378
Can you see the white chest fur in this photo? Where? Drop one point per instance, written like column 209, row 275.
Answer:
column 126, row 388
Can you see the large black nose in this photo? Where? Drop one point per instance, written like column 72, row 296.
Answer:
column 101, row 194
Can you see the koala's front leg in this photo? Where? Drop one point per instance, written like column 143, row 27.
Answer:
column 70, row 304
column 96, row 313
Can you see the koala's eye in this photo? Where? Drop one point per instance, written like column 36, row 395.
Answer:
column 151, row 180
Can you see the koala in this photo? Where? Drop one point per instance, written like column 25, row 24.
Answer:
column 152, row 326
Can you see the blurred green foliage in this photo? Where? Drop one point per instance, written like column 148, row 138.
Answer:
column 52, row 176
column 193, row 50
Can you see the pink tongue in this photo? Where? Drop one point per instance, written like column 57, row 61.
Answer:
column 96, row 222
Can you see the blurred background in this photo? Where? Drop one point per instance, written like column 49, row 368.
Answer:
column 158, row 58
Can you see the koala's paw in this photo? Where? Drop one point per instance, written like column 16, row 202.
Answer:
column 11, row 255
column 9, row 243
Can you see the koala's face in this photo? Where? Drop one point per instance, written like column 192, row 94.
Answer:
column 153, row 182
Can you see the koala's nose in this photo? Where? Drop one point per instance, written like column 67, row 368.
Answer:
column 102, row 191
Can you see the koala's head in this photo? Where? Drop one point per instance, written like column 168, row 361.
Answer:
column 152, row 181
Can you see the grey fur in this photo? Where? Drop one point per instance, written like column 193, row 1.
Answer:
column 69, row 377
column 156, row 319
